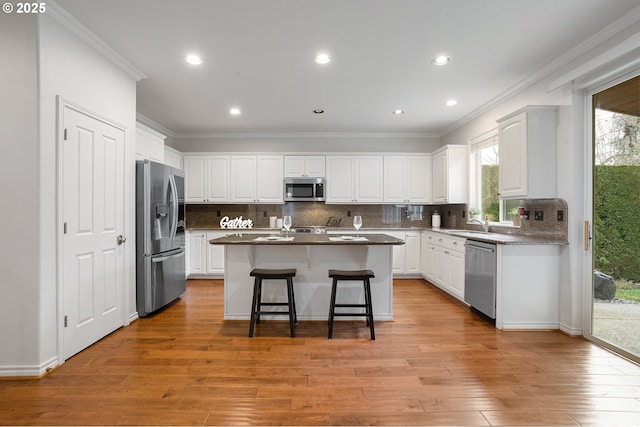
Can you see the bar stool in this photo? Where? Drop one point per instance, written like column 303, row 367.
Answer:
column 261, row 274
column 352, row 275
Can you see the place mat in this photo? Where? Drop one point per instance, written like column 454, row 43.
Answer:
column 348, row 239
column 273, row 239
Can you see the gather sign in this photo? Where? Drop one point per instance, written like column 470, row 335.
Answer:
column 237, row 222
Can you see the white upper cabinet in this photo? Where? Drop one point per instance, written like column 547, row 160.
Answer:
column 269, row 184
column 407, row 179
column 527, row 145
column 450, row 174
column 304, row 166
column 243, row 179
column 354, row 179
column 149, row 144
column 206, row 179
column 173, row 158
column 233, row 179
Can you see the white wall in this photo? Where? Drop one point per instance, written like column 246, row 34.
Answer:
column 50, row 62
column 307, row 143
column 19, row 178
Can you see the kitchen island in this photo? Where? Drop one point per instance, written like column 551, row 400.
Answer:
column 312, row 255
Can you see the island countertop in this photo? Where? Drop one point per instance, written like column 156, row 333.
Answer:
column 306, row 239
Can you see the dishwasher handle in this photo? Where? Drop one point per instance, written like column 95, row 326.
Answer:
column 480, row 248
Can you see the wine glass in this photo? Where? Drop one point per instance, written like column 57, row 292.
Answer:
column 286, row 222
column 357, row 223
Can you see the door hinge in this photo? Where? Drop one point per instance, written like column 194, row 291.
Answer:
column 66, row 321
column 65, row 134
column 64, row 228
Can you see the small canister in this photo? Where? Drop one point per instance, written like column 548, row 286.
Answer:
column 279, row 223
column 272, row 221
column 435, row 220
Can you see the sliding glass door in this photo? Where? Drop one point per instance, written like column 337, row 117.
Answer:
column 615, row 305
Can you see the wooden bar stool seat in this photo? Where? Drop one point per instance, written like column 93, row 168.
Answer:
column 352, row 275
column 261, row 274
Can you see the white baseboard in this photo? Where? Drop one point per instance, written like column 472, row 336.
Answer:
column 571, row 331
column 28, row 371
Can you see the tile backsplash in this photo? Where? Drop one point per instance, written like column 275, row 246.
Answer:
column 382, row 216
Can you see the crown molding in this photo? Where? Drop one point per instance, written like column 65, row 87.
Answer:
column 153, row 125
column 590, row 43
column 67, row 20
column 299, row 135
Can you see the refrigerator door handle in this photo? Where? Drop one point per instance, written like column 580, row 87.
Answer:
column 174, row 216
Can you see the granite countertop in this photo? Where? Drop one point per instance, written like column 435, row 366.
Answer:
column 491, row 237
column 503, row 238
column 306, row 239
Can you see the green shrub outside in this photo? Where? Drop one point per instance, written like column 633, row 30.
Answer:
column 617, row 221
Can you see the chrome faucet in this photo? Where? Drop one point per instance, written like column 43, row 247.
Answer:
column 485, row 224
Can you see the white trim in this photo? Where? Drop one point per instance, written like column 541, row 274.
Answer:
column 150, row 131
column 293, row 135
column 155, row 126
column 28, row 371
column 607, row 57
column 64, row 18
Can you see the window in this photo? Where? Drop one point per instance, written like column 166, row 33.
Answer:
column 484, row 164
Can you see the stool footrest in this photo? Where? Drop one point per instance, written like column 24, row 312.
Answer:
column 351, row 314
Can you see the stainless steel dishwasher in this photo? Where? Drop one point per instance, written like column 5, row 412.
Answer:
column 480, row 276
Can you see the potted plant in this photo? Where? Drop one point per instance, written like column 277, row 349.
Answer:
column 515, row 217
column 475, row 213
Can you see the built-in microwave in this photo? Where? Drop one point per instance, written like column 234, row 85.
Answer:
column 304, row 190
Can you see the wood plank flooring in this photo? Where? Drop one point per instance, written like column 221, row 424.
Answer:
column 435, row 364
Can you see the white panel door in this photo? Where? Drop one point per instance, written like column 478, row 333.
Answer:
column 243, row 179
column 394, row 179
column 93, row 278
column 217, row 170
column 339, row 179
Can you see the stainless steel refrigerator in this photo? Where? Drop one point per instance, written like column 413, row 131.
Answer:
column 160, row 240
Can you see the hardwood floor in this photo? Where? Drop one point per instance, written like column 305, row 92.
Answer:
column 435, row 364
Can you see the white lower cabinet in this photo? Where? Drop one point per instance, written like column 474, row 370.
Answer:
column 406, row 258
column 443, row 261
column 205, row 259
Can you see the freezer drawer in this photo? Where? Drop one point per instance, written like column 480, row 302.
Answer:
column 161, row 281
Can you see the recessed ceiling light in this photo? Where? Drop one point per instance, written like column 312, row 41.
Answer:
column 452, row 102
column 398, row 112
column 193, row 59
column 318, row 111
column 322, row 58
column 441, row 60
column 234, row 111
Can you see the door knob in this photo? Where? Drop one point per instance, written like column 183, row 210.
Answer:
column 121, row 239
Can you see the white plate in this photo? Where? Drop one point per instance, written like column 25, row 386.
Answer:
column 348, row 237
column 273, row 238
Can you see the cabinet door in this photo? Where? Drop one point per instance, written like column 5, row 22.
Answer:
column 430, row 258
column 269, row 184
column 418, row 179
column 399, row 251
column 215, row 254
column 294, row 166
column 314, row 166
column 243, row 179
column 173, row 158
column 456, row 274
column 195, row 178
column 339, row 179
column 440, row 184
column 412, row 253
column 368, row 179
column 198, row 255
column 512, row 134
column 394, row 179
column 218, row 187
column 442, row 266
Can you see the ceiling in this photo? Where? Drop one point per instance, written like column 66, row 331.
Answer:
column 259, row 56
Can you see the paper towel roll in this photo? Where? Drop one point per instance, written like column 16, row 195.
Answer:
column 279, row 223
column 273, row 221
